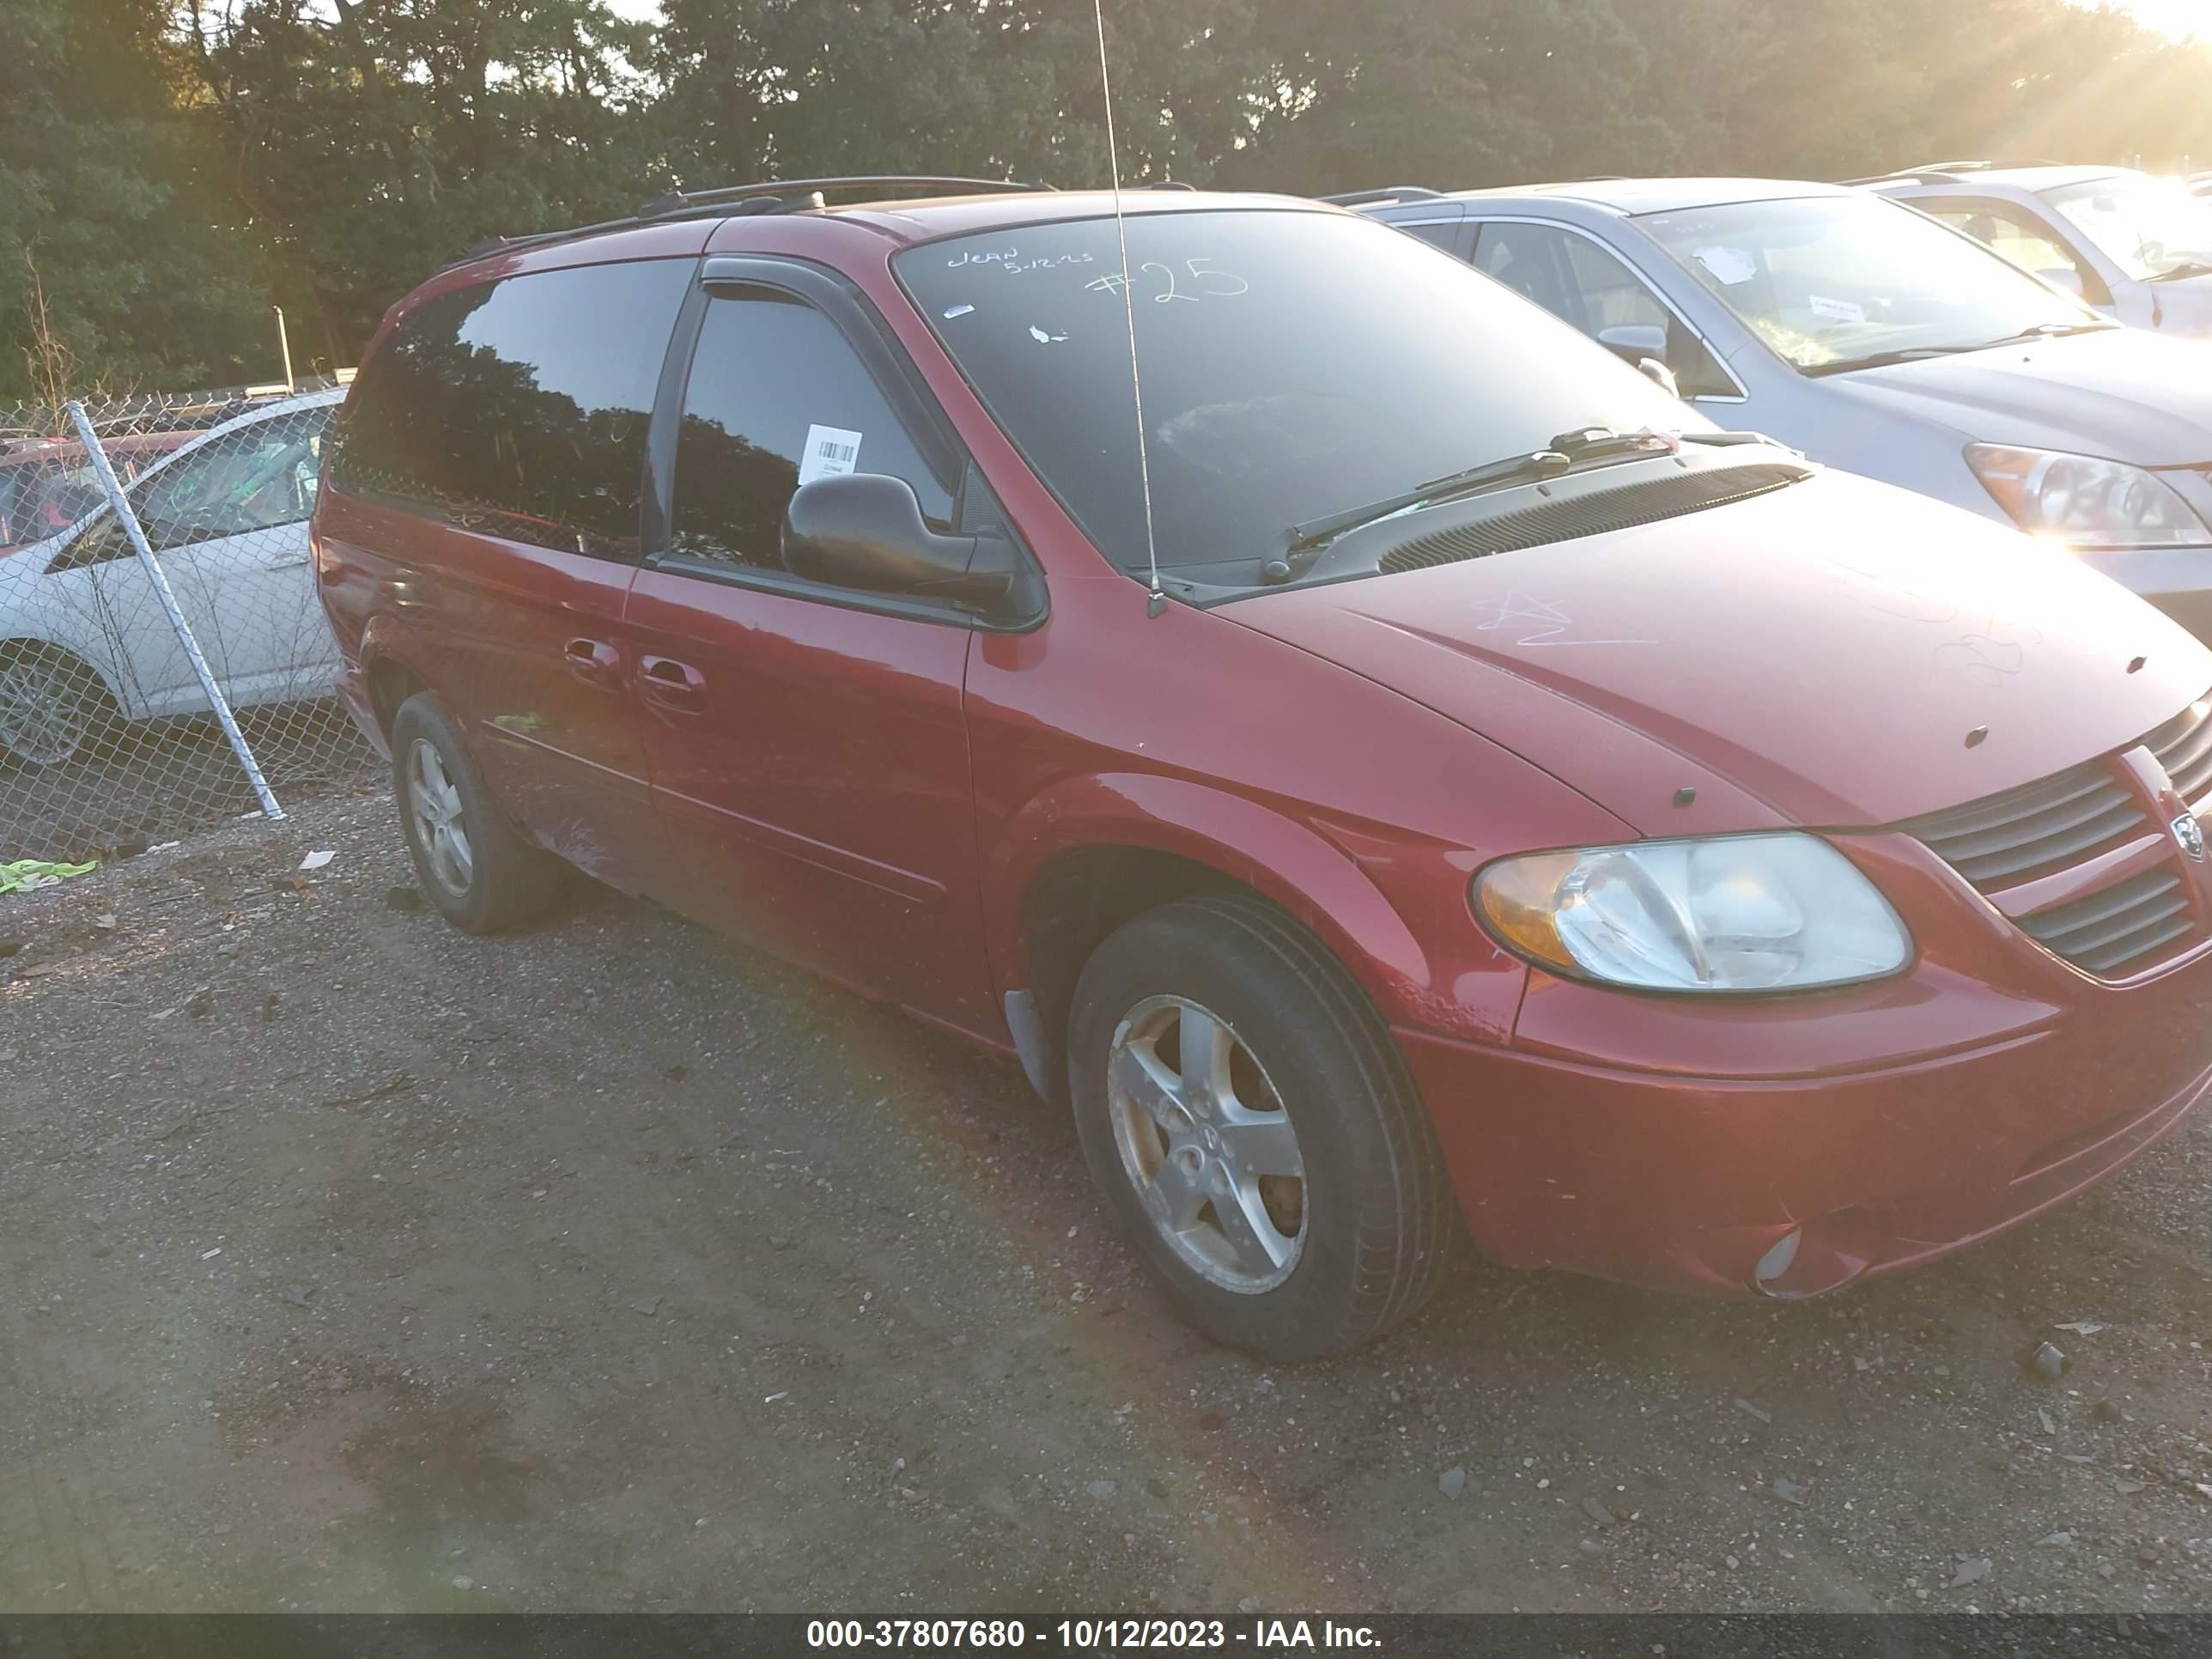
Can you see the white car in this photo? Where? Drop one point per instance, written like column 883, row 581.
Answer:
column 85, row 644
column 2136, row 248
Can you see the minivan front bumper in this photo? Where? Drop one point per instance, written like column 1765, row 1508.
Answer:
column 1692, row 1173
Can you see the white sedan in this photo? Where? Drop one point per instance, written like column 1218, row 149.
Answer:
column 85, row 644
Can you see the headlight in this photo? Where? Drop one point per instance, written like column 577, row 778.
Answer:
column 1733, row 913
column 2085, row 500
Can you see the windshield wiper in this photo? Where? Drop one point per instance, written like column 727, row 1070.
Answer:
column 1564, row 453
column 1916, row 354
column 2186, row 267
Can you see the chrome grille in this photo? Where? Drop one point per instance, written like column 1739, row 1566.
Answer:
column 2001, row 842
column 2184, row 748
column 2117, row 925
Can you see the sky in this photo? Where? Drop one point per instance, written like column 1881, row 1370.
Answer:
column 2176, row 17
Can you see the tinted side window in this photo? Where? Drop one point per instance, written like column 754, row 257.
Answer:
column 1444, row 234
column 1580, row 282
column 778, row 397
column 519, row 408
column 1528, row 259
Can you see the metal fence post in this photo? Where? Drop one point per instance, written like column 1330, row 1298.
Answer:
column 121, row 505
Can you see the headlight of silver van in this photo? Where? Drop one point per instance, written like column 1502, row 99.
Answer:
column 1728, row 913
column 2086, row 501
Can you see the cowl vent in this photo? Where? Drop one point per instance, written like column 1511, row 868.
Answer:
column 1593, row 514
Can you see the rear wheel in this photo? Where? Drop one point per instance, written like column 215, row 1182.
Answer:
column 54, row 707
column 481, row 874
column 1249, row 1123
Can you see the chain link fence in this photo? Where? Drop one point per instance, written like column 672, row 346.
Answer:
column 165, row 662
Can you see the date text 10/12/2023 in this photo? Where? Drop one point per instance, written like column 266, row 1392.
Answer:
column 1092, row 1635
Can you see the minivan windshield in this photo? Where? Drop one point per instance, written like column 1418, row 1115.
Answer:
column 2150, row 228
column 1293, row 363
column 1833, row 282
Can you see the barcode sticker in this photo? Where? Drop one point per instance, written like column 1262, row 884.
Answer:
column 830, row 449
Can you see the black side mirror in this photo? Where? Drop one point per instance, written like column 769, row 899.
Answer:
column 864, row 529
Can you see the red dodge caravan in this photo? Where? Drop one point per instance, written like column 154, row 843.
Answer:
column 1433, row 780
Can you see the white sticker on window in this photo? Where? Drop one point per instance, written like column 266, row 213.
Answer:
column 830, row 449
column 1728, row 265
column 1843, row 311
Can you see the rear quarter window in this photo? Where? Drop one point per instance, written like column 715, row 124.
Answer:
column 518, row 408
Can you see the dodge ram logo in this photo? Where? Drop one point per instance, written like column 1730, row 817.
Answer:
column 2187, row 831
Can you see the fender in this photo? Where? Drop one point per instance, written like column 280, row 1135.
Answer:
column 1289, row 862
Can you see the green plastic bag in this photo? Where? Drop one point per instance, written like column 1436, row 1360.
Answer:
column 27, row 873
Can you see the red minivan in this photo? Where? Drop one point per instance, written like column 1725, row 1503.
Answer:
column 1431, row 781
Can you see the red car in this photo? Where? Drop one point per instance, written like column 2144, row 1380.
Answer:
column 46, row 484
column 1513, row 806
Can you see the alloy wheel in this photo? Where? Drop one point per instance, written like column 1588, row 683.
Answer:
column 1206, row 1144
column 45, row 713
column 441, row 827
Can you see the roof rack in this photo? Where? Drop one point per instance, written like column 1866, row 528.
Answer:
column 1937, row 173
column 1394, row 193
column 729, row 201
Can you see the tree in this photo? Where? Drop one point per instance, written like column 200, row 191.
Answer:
column 111, row 223
column 378, row 139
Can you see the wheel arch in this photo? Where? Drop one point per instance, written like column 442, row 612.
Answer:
column 1081, row 859
column 133, row 709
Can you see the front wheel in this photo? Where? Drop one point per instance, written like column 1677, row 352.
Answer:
column 1249, row 1123
column 53, row 706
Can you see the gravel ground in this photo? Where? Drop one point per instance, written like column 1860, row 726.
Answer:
column 352, row 1263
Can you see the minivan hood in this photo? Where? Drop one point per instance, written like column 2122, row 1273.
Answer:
column 1828, row 649
column 2125, row 394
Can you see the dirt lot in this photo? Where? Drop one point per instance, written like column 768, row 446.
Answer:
column 352, row 1263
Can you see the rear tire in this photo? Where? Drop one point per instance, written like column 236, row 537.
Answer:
column 1213, row 1043
column 483, row 875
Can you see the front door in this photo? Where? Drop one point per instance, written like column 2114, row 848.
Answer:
column 806, row 746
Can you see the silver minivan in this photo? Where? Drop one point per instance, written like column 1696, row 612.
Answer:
column 2137, row 248
column 1876, row 339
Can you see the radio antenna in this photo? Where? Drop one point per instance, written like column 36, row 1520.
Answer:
column 1158, row 600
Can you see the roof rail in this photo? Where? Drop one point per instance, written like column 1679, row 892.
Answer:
column 764, row 195
column 1394, row 193
column 1936, row 172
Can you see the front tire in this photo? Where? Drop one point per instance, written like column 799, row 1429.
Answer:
column 54, row 707
column 483, row 875
column 1251, row 1126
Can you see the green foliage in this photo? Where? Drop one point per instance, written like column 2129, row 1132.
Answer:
column 174, row 169
column 109, row 204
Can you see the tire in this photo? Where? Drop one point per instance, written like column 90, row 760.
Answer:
column 1359, row 1240
column 54, row 708
column 482, row 875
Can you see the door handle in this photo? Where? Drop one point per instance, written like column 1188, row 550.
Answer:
column 592, row 661
column 672, row 685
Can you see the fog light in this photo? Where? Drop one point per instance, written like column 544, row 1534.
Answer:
column 1778, row 1258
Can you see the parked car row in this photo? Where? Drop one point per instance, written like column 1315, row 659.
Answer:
column 1881, row 340
column 1395, row 771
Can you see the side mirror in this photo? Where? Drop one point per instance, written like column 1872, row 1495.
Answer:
column 1633, row 342
column 864, row 529
column 2064, row 277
